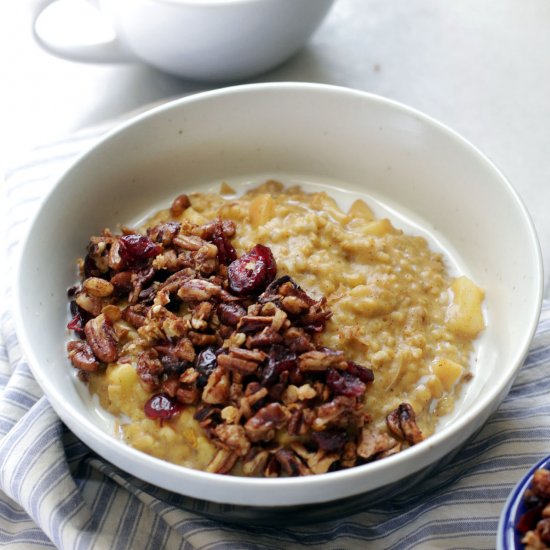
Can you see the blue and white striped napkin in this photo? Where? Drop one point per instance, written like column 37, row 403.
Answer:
column 55, row 492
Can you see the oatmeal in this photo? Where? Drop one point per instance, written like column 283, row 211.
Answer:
column 272, row 334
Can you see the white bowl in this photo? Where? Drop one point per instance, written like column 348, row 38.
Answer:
column 429, row 178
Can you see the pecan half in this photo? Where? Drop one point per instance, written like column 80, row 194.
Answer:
column 222, row 462
column 230, row 314
column 291, row 464
column 100, row 337
column 402, row 423
column 189, row 242
column 253, row 323
column 135, row 315
column 179, row 205
column 320, row 360
column 254, row 462
column 198, row 290
column 230, row 362
column 82, row 356
column 318, row 462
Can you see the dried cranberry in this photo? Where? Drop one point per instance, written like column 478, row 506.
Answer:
column 363, row 373
column 345, row 383
column 77, row 324
column 330, row 440
column 226, row 252
column 137, row 249
column 280, row 360
column 90, row 268
column 296, row 376
column 162, row 407
column 528, row 520
column 252, row 272
column 172, row 365
column 205, row 363
column 78, row 320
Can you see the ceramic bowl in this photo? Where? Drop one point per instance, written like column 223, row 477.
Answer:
column 508, row 537
column 430, row 180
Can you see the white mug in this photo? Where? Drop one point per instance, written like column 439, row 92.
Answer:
column 209, row 40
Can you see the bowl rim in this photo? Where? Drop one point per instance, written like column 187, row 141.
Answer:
column 416, row 455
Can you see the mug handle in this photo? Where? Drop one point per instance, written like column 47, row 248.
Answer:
column 110, row 51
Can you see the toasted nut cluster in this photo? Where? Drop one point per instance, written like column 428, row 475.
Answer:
column 225, row 336
column 534, row 524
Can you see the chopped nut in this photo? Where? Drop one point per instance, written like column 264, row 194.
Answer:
column 100, row 337
column 263, row 425
column 255, row 463
column 306, row 392
column 234, row 437
column 318, row 462
column 100, row 288
column 318, row 360
column 82, row 356
column 402, row 423
column 188, row 242
column 179, row 205
column 231, row 414
column 112, row 313
column 222, row 462
column 541, row 483
column 189, row 376
column 231, row 362
column 290, row 395
column 135, row 315
column 188, row 395
column 372, row 443
column 201, row 315
column 203, row 340
column 253, row 323
column 89, row 303
column 291, row 464
column 197, row 290
column 217, row 388
column 294, row 305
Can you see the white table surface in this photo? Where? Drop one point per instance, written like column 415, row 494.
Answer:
column 481, row 67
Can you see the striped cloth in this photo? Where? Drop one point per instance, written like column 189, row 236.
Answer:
column 55, row 492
